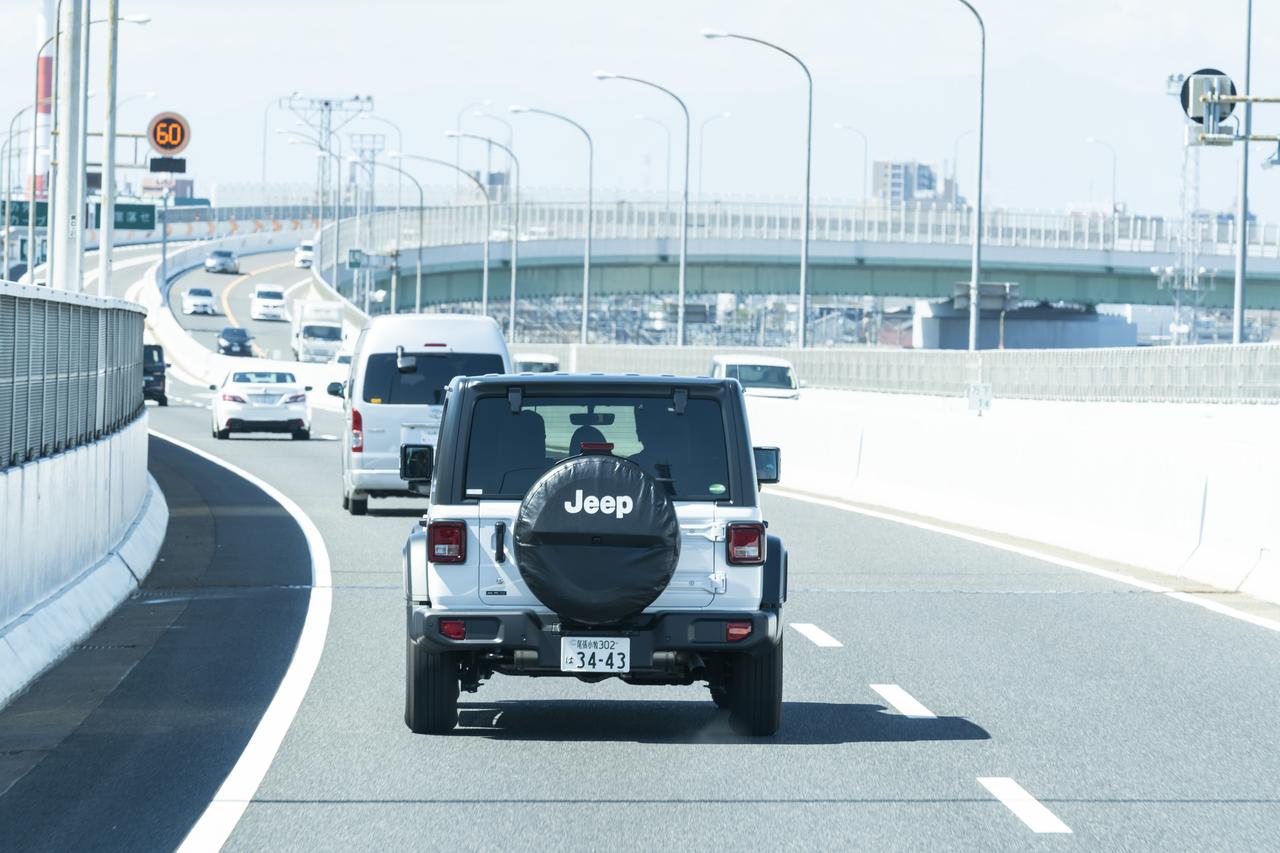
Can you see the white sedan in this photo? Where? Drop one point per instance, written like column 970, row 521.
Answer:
column 261, row 401
column 198, row 300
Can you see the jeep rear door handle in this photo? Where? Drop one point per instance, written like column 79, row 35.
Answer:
column 500, row 543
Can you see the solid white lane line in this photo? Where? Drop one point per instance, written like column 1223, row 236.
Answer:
column 291, row 289
column 1207, row 604
column 1029, row 810
column 215, row 826
column 817, row 635
column 903, row 702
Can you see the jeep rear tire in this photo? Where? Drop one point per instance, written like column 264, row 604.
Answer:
column 755, row 692
column 597, row 539
column 430, row 690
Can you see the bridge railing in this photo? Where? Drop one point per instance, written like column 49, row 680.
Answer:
column 745, row 220
column 70, row 370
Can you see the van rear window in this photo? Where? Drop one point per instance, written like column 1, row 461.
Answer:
column 384, row 382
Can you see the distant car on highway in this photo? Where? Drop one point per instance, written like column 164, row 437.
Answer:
column 261, row 401
column 267, row 303
column 303, row 255
column 198, row 300
column 153, row 378
column 222, row 260
column 759, row 375
column 234, row 340
column 535, row 362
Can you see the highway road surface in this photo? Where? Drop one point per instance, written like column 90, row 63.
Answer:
column 940, row 694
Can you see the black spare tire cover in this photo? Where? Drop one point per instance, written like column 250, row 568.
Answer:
column 597, row 539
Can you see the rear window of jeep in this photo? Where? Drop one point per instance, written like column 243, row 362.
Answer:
column 687, row 453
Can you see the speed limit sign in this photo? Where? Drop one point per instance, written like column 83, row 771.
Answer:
column 168, row 133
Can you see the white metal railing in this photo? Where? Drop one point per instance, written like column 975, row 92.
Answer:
column 744, row 220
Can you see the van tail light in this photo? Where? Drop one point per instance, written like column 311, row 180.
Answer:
column 233, row 398
column 745, row 543
column 454, row 629
column 736, row 631
column 447, row 542
column 357, row 432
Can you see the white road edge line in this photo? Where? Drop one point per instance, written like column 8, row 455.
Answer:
column 817, row 635
column 215, row 826
column 1028, row 809
column 1207, row 604
column 903, row 702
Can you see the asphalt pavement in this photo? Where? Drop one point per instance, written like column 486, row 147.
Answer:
column 940, row 694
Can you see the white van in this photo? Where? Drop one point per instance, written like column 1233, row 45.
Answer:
column 759, row 375
column 395, row 390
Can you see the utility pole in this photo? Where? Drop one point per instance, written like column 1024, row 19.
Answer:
column 65, row 262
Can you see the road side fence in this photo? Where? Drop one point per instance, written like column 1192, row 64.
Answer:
column 1199, row 374
column 70, row 370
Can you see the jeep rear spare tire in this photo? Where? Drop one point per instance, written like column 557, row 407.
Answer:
column 597, row 539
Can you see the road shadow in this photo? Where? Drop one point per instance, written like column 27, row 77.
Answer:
column 803, row 723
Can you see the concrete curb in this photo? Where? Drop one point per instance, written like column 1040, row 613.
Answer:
column 38, row 639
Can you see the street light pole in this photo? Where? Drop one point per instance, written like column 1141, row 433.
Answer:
column 702, row 139
column 395, row 270
column 586, row 251
column 866, row 146
column 684, row 207
column 976, row 268
column 808, row 172
column 8, row 191
column 106, row 227
column 65, row 262
column 1242, row 209
column 515, row 230
column 422, row 203
column 484, row 273
column 35, row 150
column 1115, row 222
column 667, row 132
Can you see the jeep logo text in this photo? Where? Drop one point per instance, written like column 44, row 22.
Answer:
column 619, row 506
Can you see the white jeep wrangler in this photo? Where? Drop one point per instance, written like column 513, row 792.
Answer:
column 593, row 527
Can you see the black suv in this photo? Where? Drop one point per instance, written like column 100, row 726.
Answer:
column 594, row 527
column 153, row 378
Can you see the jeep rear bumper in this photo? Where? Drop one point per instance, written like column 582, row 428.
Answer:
column 533, row 639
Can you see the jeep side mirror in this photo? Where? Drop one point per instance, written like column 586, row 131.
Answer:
column 416, row 462
column 768, row 464
column 334, row 389
column 307, row 388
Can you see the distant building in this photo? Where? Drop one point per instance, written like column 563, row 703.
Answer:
column 897, row 182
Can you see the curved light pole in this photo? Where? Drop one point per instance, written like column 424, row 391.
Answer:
column 808, row 171
column 422, row 203
column 667, row 133
column 484, row 272
column 586, row 250
column 395, row 270
column 702, row 140
column 684, row 207
column 975, row 272
column 515, row 229
column 1115, row 222
column 866, row 147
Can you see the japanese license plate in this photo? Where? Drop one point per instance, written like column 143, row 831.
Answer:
column 595, row 654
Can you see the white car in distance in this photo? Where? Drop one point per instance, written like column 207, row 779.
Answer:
column 261, row 401
column 198, row 300
column 535, row 362
column 304, row 254
column 759, row 375
column 267, row 303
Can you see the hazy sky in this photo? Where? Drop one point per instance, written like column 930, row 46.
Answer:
column 903, row 71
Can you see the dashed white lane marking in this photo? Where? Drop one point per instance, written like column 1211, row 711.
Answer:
column 1206, row 603
column 215, row 826
column 1028, row 809
column 817, row 635
column 903, row 702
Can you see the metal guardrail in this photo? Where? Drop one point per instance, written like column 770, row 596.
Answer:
column 70, row 370
column 1248, row 373
column 909, row 224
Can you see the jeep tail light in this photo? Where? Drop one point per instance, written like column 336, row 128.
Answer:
column 447, row 542
column 454, row 629
column 745, row 543
column 357, row 432
column 233, row 398
column 735, row 631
